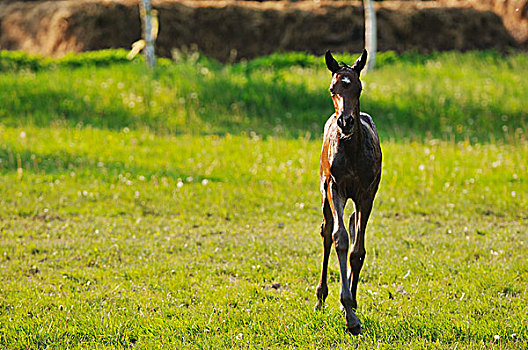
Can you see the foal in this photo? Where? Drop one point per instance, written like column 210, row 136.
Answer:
column 350, row 169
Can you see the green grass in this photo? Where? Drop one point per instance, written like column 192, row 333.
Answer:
column 165, row 224
column 478, row 96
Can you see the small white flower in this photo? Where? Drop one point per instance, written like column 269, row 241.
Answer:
column 205, row 182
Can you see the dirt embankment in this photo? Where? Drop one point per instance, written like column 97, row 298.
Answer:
column 57, row 27
column 514, row 14
column 225, row 29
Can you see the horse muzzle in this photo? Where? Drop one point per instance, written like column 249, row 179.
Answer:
column 345, row 124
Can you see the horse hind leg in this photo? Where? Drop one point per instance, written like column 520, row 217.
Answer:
column 326, row 233
column 358, row 252
column 351, row 231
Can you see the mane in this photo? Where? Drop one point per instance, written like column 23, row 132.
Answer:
column 345, row 66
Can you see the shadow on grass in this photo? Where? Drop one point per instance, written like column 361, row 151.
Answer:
column 241, row 103
column 47, row 106
column 449, row 121
column 65, row 162
column 268, row 108
column 277, row 108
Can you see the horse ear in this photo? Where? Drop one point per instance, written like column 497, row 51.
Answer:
column 360, row 62
column 331, row 63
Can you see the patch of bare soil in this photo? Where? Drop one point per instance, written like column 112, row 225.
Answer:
column 245, row 29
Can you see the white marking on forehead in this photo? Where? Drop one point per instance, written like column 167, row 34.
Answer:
column 346, row 80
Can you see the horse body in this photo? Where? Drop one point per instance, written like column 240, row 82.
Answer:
column 350, row 168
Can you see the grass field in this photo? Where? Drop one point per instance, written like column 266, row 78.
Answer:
column 180, row 209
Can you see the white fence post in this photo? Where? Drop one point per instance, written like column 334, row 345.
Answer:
column 370, row 33
column 149, row 31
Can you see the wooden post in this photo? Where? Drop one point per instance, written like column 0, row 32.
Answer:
column 370, row 33
column 149, row 30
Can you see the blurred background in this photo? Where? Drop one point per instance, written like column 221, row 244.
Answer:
column 233, row 30
column 445, row 69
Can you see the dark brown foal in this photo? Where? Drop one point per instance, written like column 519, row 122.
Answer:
column 350, row 169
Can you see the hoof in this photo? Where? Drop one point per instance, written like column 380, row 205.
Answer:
column 321, row 293
column 354, row 329
column 353, row 324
